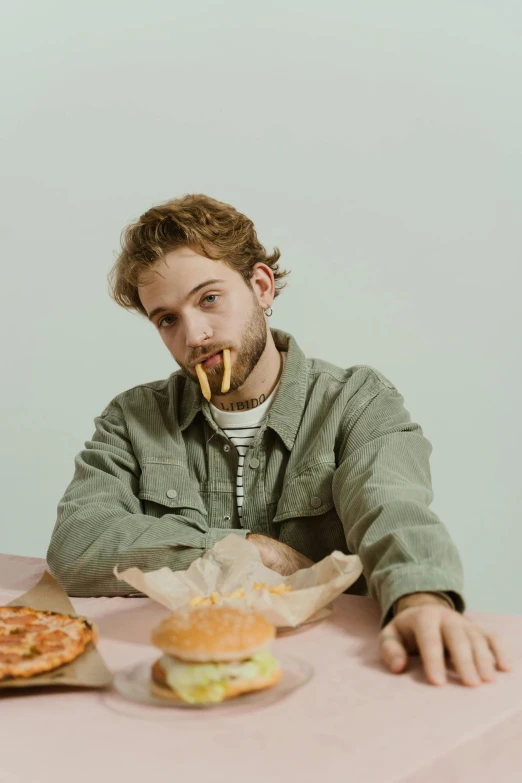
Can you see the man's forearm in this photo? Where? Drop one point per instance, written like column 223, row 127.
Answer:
column 88, row 543
column 382, row 492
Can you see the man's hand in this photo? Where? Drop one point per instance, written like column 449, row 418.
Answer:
column 278, row 556
column 425, row 624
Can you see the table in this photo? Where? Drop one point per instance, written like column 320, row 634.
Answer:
column 353, row 722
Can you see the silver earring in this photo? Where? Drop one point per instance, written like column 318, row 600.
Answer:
column 268, row 314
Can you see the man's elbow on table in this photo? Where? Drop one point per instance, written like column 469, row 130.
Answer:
column 82, row 573
column 82, row 578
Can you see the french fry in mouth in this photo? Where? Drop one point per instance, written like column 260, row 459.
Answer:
column 203, row 382
column 225, row 384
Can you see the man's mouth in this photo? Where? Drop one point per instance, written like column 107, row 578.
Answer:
column 212, row 361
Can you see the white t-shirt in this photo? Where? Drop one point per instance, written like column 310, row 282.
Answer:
column 241, row 428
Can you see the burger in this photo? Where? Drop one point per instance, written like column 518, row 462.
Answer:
column 213, row 653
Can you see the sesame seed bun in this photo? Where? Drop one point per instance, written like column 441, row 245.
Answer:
column 236, row 687
column 213, row 634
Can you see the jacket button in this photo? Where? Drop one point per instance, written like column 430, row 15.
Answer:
column 227, row 518
column 316, row 502
column 254, row 463
column 226, row 447
column 171, row 493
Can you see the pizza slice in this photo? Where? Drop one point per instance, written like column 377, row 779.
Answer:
column 33, row 641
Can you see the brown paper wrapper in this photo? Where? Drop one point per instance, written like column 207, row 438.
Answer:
column 235, row 562
column 86, row 671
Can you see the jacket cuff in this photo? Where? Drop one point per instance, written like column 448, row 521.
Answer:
column 417, row 579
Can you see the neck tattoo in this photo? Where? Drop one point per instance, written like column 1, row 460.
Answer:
column 244, row 406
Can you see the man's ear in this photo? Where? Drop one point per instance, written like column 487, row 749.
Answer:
column 263, row 285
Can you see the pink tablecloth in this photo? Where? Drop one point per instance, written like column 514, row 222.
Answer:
column 353, row 722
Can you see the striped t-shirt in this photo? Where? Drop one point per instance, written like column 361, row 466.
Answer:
column 241, row 428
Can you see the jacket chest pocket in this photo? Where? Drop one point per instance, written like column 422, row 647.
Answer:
column 308, row 494
column 168, row 488
column 306, row 518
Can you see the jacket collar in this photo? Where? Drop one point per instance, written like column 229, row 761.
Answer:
column 285, row 414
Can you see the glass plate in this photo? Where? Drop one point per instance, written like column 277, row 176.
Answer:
column 133, row 684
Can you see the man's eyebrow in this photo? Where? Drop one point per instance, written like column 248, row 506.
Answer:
column 158, row 310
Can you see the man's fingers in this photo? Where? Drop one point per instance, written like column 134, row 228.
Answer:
column 393, row 651
column 459, row 647
column 431, row 647
column 500, row 650
column 428, row 630
column 484, row 658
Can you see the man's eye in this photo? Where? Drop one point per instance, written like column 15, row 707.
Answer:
column 163, row 322
column 170, row 320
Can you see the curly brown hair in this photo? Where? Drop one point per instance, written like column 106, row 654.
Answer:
column 211, row 228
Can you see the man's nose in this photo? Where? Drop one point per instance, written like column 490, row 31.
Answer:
column 197, row 334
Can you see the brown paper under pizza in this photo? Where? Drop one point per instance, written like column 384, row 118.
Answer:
column 86, row 671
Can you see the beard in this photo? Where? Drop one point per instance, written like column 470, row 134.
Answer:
column 248, row 355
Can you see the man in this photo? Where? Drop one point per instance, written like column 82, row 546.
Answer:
column 299, row 455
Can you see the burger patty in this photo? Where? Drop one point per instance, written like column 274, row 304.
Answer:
column 235, row 687
column 158, row 673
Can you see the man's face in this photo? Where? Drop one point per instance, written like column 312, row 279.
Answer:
column 223, row 306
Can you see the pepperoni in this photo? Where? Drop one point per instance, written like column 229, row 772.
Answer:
column 55, row 636
column 24, row 619
column 10, row 641
column 11, row 657
column 17, row 633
